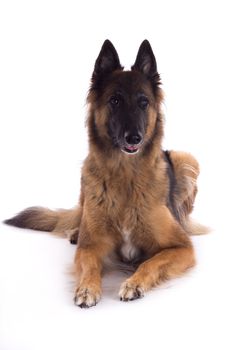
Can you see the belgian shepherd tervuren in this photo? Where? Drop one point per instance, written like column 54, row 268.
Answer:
column 135, row 198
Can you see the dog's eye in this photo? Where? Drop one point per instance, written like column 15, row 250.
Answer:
column 143, row 102
column 114, row 101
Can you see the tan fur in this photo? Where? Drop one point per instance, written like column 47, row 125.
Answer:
column 119, row 194
column 108, row 212
column 126, row 207
column 187, row 170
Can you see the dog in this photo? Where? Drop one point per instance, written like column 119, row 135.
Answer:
column 135, row 198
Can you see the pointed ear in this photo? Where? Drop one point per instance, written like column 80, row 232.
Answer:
column 107, row 61
column 145, row 61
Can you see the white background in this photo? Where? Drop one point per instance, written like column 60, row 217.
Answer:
column 47, row 53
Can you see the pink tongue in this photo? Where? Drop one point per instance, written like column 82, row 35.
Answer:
column 131, row 148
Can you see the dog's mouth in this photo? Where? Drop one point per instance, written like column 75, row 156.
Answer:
column 130, row 149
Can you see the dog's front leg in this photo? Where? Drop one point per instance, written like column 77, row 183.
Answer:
column 88, row 265
column 92, row 248
column 164, row 265
column 175, row 257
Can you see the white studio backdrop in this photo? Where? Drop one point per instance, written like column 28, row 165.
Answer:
column 47, row 54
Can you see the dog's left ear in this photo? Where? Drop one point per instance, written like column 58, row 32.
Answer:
column 145, row 61
column 107, row 61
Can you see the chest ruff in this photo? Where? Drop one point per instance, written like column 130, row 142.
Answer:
column 128, row 250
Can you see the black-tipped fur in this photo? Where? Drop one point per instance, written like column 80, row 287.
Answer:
column 172, row 186
column 35, row 218
column 146, row 63
column 106, row 63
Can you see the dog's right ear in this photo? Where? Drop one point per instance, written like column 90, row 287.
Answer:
column 107, row 61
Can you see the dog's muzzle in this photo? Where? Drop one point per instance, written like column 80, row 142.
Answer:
column 132, row 143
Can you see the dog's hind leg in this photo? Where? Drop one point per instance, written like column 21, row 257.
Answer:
column 186, row 171
column 72, row 235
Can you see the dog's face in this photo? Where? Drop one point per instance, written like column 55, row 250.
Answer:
column 126, row 102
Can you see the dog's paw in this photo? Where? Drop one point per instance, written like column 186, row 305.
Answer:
column 86, row 297
column 72, row 235
column 74, row 238
column 130, row 291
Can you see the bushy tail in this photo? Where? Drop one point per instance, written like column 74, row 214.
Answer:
column 43, row 219
column 194, row 228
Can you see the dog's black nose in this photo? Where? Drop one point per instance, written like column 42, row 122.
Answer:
column 133, row 139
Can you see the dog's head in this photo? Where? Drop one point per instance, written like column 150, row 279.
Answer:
column 125, row 104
